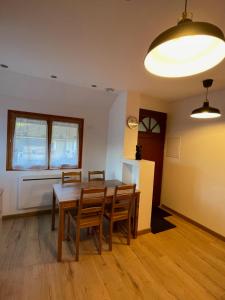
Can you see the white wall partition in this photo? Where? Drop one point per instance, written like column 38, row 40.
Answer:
column 141, row 172
column 115, row 142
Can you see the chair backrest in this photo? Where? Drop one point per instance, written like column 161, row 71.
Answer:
column 91, row 203
column 123, row 198
column 96, row 176
column 70, row 177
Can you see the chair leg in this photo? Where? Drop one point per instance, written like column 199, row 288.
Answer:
column 100, row 238
column 77, row 243
column 129, row 230
column 68, row 227
column 110, row 235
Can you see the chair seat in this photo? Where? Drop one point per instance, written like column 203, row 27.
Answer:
column 118, row 215
column 89, row 221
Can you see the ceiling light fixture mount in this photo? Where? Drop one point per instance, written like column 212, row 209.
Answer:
column 206, row 111
column 186, row 49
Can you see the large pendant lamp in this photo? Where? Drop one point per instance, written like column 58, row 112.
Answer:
column 206, row 111
column 186, row 49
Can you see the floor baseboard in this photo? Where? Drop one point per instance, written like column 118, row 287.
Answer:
column 144, row 231
column 219, row 236
column 27, row 214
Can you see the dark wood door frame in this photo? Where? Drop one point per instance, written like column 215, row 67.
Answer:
column 152, row 139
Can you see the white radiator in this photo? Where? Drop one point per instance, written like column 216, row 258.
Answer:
column 36, row 191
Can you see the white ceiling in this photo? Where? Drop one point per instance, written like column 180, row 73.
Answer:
column 100, row 42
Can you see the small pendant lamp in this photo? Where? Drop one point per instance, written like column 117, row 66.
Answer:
column 186, row 49
column 206, row 111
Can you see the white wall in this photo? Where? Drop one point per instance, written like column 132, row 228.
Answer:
column 147, row 102
column 115, row 142
column 20, row 92
column 195, row 185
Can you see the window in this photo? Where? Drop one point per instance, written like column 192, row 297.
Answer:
column 38, row 141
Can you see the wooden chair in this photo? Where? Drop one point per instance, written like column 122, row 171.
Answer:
column 89, row 214
column 71, row 177
column 121, row 209
column 96, row 176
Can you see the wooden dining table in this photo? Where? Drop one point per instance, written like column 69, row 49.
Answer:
column 68, row 195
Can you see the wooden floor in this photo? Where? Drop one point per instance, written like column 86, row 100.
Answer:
column 181, row 263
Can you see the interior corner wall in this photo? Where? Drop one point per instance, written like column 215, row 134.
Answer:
column 131, row 135
column 115, row 142
column 194, row 184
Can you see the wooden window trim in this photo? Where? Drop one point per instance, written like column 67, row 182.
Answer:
column 13, row 114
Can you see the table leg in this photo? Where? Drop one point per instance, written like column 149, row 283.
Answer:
column 60, row 231
column 64, row 224
column 53, row 210
column 136, row 213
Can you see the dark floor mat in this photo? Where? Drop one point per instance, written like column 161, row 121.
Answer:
column 157, row 211
column 158, row 223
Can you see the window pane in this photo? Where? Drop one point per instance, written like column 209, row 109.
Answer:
column 30, row 144
column 64, row 145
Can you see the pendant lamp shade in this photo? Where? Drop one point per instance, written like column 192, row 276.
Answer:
column 206, row 111
column 186, row 49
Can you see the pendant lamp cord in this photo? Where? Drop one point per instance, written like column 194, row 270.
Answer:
column 185, row 10
column 206, row 100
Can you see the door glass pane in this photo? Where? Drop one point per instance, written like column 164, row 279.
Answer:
column 153, row 123
column 146, row 121
column 64, row 145
column 141, row 127
column 156, row 129
column 30, row 144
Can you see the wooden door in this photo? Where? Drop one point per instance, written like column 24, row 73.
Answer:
column 151, row 136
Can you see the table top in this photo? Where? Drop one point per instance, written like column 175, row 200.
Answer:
column 71, row 191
